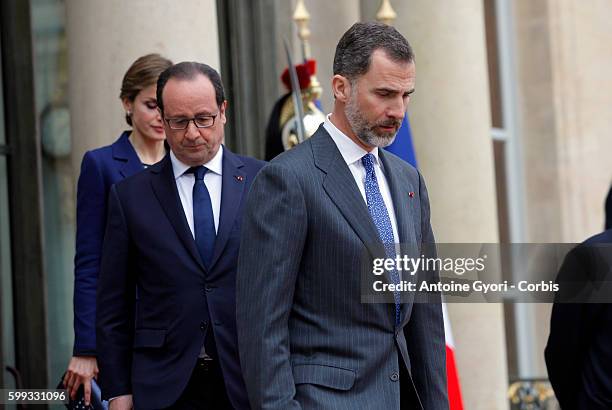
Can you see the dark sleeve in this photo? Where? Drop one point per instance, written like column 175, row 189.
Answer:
column 425, row 330
column 115, row 305
column 90, row 220
column 571, row 328
column 273, row 234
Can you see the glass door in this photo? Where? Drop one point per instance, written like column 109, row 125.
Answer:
column 51, row 97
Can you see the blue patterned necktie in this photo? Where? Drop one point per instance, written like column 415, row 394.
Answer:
column 380, row 216
column 203, row 220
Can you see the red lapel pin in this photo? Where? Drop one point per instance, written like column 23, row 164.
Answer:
column 239, row 177
column 411, row 194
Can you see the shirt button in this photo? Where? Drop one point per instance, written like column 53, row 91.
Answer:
column 208, row 288
column 394, row 377
column 203, row 325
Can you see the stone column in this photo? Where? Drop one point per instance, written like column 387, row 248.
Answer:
column 105, row 37
column 564, row 93
column 450, row 118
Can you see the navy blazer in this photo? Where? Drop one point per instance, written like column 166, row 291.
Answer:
column 100, row 169
column 149, row 347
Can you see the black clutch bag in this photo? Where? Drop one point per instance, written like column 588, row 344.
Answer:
column 79, row 402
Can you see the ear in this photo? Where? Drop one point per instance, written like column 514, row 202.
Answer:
column 222, row 109
column 341, row 87
column 127, row 105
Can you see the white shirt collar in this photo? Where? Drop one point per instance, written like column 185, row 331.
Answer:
column 214, row 165
column 350, row 151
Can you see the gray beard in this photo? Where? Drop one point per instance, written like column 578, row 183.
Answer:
column 364, row 131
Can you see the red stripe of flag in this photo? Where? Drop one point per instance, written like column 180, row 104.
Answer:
column 454, row 390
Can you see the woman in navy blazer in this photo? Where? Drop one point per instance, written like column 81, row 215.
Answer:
column 100, row 169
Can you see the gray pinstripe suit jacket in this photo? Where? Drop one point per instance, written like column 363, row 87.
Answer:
column 305, row 339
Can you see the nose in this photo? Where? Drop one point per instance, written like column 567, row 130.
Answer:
column 192, row 132
column 397, row 108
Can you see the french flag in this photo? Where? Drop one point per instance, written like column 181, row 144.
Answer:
column 403, row 148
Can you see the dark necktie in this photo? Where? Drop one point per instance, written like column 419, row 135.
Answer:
column 203, row 219
column 380, row 216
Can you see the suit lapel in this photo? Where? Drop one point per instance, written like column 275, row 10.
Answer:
column 234, row 180
column 128, row 162
column 164, row 186
column 343, row 191
column 340, row 185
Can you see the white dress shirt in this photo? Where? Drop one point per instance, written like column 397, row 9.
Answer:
column 352, row 154
column 212, row 179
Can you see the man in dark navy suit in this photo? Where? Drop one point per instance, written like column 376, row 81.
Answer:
column 579, row 350
column 172, row 240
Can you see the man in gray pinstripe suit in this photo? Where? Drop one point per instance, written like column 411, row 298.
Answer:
column 305, row 339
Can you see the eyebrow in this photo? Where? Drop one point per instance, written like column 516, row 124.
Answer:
column 204, row 113
column 393, row 90
column 198, row 114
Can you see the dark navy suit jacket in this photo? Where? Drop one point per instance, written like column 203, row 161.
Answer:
column 579, row 350
column 149, row 347
column 100, row 169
